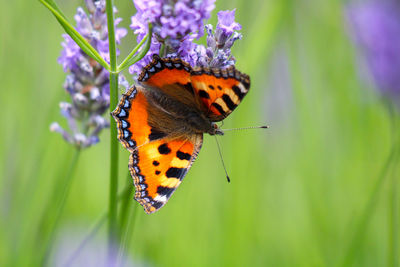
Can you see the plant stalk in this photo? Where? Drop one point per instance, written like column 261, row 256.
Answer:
column 112, row 205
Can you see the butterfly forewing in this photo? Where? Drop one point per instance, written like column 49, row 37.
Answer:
column 221, row 90
column 215, row 91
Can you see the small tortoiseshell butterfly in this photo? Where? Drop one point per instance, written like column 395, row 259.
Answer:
column 162, row 122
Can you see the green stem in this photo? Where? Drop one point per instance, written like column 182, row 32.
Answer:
column 111, row 35
column 126, row 62
column 133, row 56
column 162, row 50
column 113, row 155
column 112, row 205
column 55, row 208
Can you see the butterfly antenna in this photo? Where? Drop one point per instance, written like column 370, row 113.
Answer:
column 246, row 128
column 222, row 159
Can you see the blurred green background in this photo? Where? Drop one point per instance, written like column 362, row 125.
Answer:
column 309, row 191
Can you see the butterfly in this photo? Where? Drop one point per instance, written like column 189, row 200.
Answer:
column 162, row 121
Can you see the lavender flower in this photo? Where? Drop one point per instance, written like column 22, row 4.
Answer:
column 173, row 22
column 219, row 44
column 376, row 25
column 87, row 81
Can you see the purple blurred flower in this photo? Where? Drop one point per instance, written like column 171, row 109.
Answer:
column 173, row 22
column 75, row 247
column 87, row 81
column 376, row 25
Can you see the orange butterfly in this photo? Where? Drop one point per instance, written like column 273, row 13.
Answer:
column 162, row 122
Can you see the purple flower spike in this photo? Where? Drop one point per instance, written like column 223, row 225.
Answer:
column 87, row 81
column 174, row 22
column 376, row 26
column 218, row 51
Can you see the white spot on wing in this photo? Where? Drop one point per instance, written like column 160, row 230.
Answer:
column 242, row 88
column 161, row 198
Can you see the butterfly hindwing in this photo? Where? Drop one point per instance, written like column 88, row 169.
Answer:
column 158, row 161
column 159, row 167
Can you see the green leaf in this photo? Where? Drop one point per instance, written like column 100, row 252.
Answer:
column 132, row 58
column 69, row 29
column 54, row 5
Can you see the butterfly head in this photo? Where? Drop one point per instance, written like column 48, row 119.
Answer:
column 215, row 130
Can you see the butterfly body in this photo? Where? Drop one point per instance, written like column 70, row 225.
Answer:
column 162, row 122
column 174, row 117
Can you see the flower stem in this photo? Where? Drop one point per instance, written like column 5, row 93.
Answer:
column 111, row 35
column 113, row 157
column 112, row 205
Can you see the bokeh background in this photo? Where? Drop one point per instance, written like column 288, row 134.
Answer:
column 313, row 190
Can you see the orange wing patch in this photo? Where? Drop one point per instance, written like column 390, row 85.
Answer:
column 221, row 90
column 133, row 128
column 160, row 72
column 158, row 168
